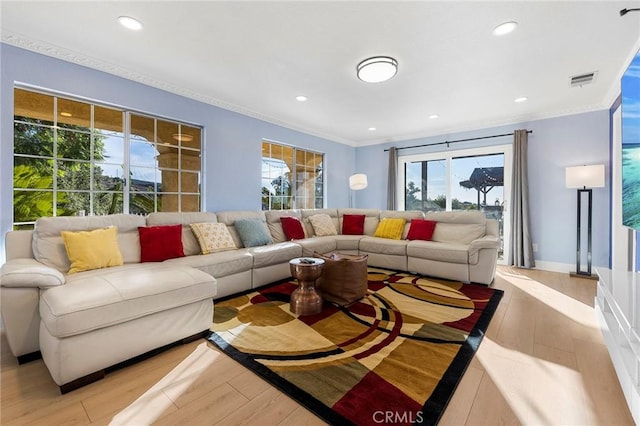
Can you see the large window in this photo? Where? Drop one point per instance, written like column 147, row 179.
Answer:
column 291, row 178
column 473, row 179
column 73, row 157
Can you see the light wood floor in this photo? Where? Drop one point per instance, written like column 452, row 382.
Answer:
column 542, row 362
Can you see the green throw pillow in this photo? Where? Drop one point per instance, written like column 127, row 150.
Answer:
column 252, row 232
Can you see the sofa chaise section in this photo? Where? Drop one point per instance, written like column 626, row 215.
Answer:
column 85, row 322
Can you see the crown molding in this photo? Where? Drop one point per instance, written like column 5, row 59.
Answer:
column 48, row 49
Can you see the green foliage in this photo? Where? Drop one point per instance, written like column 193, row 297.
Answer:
column 30, row 205
column 32, row 138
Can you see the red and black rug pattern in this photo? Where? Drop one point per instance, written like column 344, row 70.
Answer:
column 394, row 357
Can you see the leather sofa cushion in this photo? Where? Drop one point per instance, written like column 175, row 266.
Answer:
column 318, row 244
column 274, row 254
column 371, row 219
column 383, row 246
column 400, row 214
column 443, row 252
column 275, row 225
column 101, row 298
column 189, row 242
column 48, row 246
column 218, row 264
column 308, row 227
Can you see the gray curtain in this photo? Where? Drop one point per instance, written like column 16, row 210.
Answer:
column 391, row 183
column 521, row 253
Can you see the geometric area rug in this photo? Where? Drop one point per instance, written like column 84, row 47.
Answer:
column 394, row 357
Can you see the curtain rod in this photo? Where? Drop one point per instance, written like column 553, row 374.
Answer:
column 456, row 141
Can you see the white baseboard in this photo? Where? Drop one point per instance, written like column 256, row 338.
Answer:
column 555, row 266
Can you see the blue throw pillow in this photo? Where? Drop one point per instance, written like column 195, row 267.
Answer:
column 252, row 232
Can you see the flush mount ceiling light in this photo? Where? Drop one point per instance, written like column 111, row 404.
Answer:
column 182, row 137
column 66, row 114
column 433, row 116
column 377, row 69
column 505, row 28
column 520, row 99
column 301, row 98
column 372, row 129
column 130, row 23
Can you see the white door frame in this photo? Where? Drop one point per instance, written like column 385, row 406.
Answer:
column 506, row 150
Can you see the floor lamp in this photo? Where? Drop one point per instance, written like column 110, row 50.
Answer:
column 584, row 178
column 356, row 183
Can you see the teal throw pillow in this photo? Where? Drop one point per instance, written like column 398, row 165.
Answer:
column 252, row 232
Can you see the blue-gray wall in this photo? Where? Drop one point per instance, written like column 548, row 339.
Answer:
column 232, row 157
column 232, row 145
column 554, row 144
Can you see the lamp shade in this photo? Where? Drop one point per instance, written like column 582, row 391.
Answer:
column 585, row 176
column 358, row 181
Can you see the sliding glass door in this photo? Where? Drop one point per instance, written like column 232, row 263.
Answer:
column 475, row 179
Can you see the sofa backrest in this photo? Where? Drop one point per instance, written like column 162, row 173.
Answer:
column 190, row 244
column 229, row 218
column 371, row 219
column 48, row 246
column 406, row 215
column 275, row 225
column 458, row 227
column 308, row 228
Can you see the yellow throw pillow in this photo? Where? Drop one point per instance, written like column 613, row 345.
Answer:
column 390, row 228
column 213, row 237
column 92, row 249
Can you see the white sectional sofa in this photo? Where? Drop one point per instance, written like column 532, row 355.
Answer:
column 85, row 322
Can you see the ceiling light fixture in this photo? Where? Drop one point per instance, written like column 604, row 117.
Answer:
column 130, row 23
column 66, row 114
column 505, row 28
column 372, row 129
column 301, row 98
column 433, row 116
column 520, row 99
column 377, row 69
column 182, row 137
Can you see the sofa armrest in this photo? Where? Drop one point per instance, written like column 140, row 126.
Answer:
column 491, row 242
column 29, row 273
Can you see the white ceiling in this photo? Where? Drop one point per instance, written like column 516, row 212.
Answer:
column 256, row 57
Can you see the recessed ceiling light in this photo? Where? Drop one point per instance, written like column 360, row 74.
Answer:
column 377, row 69
column 372, row 129
column 130, row 23
column 505, row 28
column 301, row 98
column 433, row 116
column 65, row 114
column 521, row 99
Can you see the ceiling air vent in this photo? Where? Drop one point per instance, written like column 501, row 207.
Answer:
column 582, row 79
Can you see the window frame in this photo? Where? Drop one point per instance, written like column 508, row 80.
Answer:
column 294, row 180
column 58, row 127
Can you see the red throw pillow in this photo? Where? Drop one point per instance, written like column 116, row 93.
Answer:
column 421, row 229
column 158, row 243
column 292, row 228
column 353, row 224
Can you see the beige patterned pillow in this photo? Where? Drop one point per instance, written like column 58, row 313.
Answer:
column 213, row 237
column 322, row 225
